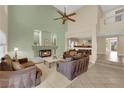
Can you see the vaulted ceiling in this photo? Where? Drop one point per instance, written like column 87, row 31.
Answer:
column 69, row 8
column 73, row 8
column 107, row 8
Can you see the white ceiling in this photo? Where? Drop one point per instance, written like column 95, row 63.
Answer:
column 107, row 8
column 69, row 8
column 73, row 8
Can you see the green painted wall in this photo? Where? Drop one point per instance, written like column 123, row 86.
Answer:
column 22, row 22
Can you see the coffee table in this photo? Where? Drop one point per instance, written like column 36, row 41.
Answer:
column 51, row 60
column 37, row 60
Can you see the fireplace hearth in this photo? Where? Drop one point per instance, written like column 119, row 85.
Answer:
column 45, row 53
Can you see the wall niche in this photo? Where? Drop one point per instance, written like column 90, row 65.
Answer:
column 44, row 38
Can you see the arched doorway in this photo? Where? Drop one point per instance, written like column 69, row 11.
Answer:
column 111, row 49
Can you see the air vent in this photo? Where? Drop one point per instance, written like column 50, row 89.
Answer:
column 119, row 14
column 119, row 11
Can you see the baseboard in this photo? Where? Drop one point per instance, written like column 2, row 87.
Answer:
column 120, row 54
column 105, row 53
column 101, row 53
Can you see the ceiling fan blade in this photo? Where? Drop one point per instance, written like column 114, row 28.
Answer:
column 58, row 18
column 60, row 13
column 63, row 22
column 71, row 19
column 64, row 10
column 71, row 14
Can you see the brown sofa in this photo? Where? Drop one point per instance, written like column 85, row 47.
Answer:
column 73, row 52
column 25, row 63
column 26, row 77
column 74, row 64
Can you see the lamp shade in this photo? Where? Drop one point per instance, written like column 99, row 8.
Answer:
column 16, row 49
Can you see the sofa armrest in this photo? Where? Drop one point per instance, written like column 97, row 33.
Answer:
column 27, row 64
column 66, row 68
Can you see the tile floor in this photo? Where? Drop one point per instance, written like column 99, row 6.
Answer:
column 51, row 78
column 98, row 76
column 111, row 59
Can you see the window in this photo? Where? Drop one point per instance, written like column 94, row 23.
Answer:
column 119, row 16
column 2, row 44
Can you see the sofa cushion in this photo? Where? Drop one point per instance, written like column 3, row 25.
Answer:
column 28, row 64
column 17, row 66
column 7, row 64
column 5, row 67
column 66, row 54
column 76, row 57
column 68, row 59
column 79, row 55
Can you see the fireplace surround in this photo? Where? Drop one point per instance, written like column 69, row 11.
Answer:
column 45, row 53
column 36, row 49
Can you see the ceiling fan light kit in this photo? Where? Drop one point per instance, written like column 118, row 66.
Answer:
column 65, row 17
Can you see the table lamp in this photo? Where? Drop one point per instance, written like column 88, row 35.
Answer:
column 15, row 50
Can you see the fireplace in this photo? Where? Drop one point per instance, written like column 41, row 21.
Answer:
column 45, row 53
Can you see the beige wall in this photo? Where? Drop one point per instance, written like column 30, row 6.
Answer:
column 111, row 27
column 86, row 20
column 88, row 23
column 121, row 45
column 115, row 29
column 85, row 26
column 3, row 30
column 101, row 45
column 100, row 15
column 3, row 18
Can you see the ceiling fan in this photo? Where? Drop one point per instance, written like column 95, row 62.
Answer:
column 65, row 17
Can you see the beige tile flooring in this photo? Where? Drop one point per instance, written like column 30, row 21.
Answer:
column 98, row 75
column 112, row 56
column 111, row 60
column 53, row 79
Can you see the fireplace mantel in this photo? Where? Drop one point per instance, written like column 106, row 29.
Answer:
column 36, row 49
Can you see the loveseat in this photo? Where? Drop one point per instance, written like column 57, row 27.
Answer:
column 21, row 74
column 24, row 78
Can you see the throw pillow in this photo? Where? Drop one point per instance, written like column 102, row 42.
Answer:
column 68, row 59
column 23, row 60
column 5, row 67
column 8, row 61
column 7, row 57
column 17, row 66
column 79, row 55
column 72, row 53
